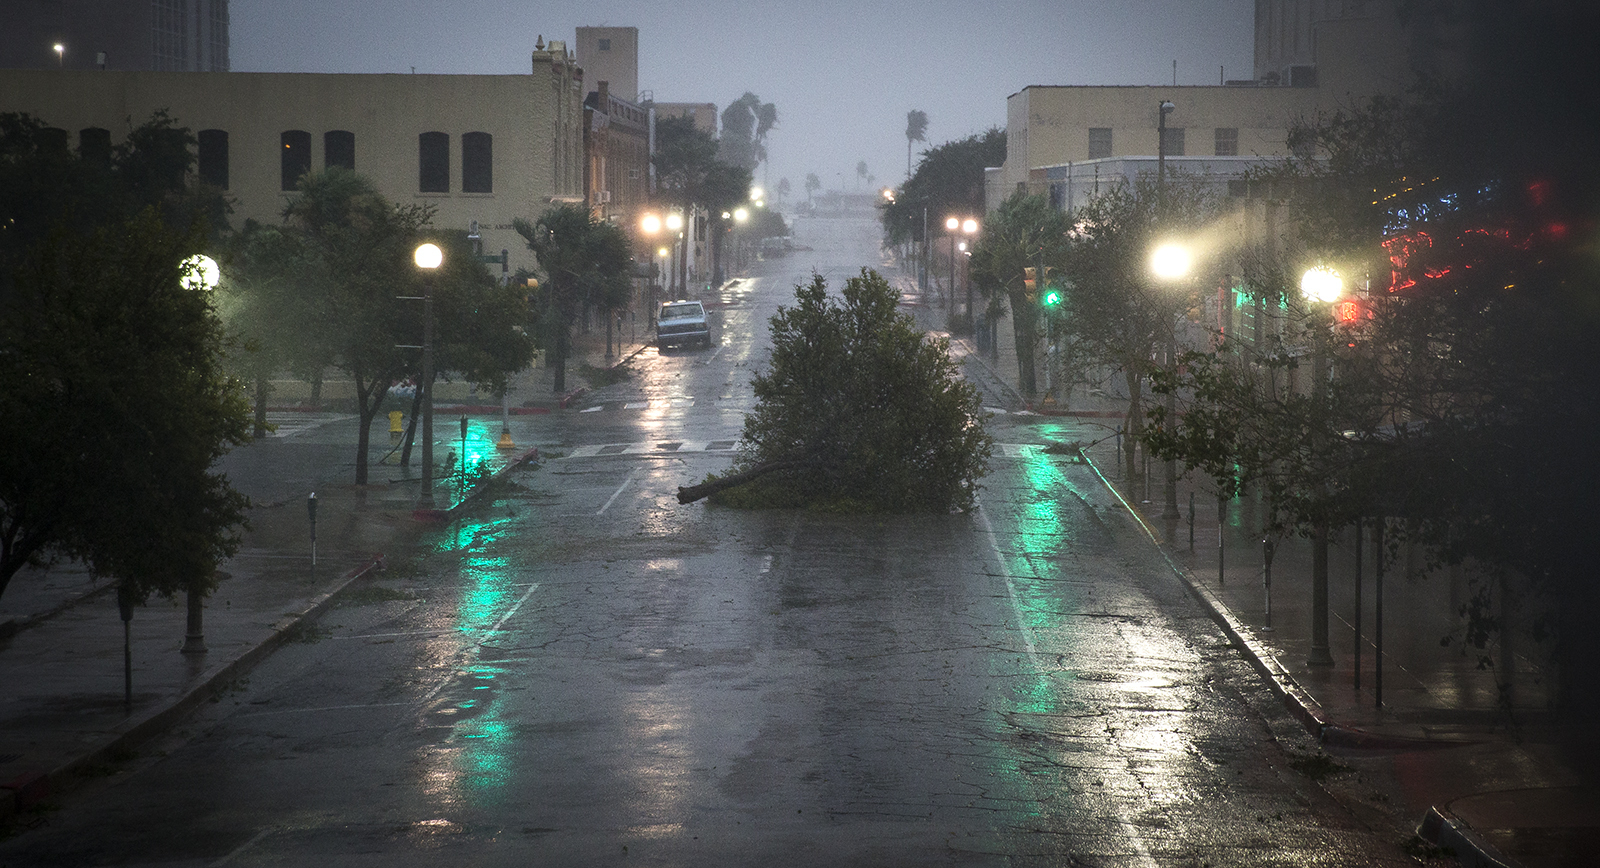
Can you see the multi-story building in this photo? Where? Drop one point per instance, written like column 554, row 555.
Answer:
column 479, row 149
column 616, row 147
column 152, row 35
column 1311, row 56
column 611, row 55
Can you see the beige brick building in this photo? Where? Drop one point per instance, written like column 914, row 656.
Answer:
column 478, row 148
column 1311, row 56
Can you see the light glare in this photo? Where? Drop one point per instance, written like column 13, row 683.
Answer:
column 429, row 256
column 1171, row 261
column 1322, row 284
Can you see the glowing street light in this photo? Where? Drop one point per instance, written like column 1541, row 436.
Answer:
column 200, row 272
column 1322, row 283
column 1171, row 261
column 61, row 55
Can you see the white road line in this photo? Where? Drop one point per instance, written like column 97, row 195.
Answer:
column 254, row 839
column 323, row 708
column 1133, row 835
column 618, row 492
column 478, row 648
column 1011, row 589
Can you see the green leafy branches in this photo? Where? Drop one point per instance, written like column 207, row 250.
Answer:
column 878, row 413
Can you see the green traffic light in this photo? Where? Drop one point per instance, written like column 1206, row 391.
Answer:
column 1052, row 298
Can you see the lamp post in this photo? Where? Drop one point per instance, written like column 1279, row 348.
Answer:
column 61, row 55
column 966, row 226
column 1322, row 285
column 428, row 257
column 200, row 274
column 679, row 254
column 650, row 225
column 1171, row 262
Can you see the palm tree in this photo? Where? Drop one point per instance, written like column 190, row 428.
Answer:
column 916, row 128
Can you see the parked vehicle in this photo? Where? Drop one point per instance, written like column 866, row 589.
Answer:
column 682, row 322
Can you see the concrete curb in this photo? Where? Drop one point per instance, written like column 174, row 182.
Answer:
column 1442, row 829
column 154, row 722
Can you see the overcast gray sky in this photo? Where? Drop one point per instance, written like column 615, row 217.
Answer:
column 843, row 73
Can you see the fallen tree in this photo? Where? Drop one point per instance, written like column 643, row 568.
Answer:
column 859, row 410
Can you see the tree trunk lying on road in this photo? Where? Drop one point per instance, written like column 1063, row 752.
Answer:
column 706, row 489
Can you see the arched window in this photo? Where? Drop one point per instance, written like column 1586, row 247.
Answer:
column 433, row 162
column 477, row 163
column 339, row 149
column 296, row 156
column 94, row 146
column 213, row 157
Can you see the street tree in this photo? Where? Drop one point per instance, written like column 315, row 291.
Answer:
column 1023, row 233
column 116, row 407
column 916, row 131
column 1116, row 311
column 813, row 184
column 858, row 411
column 1462, row 399
column 348, row 254
column 586, row 261
column 745, row 125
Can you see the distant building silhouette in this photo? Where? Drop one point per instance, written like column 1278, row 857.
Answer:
column 127, row 35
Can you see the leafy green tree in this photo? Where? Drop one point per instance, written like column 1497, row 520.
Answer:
column 1116, row 311
column 948, row 180
column 1024, row 232
column 115, row 405
column 916, row 131
column 586, row 261
column 348, row 253
column 745, row 125
column 859, row 410
column 116, row 411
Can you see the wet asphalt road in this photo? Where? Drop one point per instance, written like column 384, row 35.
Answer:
column 585, row 672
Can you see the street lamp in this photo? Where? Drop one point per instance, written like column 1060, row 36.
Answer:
column 680, row 253
column 428, row 257
column 966, row 226
column 1171, row 262
column 200, row 274
column 61, row 55
column 650, row 225
column 1322, row 285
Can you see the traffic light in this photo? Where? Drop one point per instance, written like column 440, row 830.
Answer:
column 1030, row 286
column 1052, row 297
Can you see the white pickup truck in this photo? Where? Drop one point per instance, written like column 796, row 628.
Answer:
column 682, row 322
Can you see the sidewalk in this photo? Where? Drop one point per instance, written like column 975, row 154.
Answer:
column 62, row 713
column 1496, row 788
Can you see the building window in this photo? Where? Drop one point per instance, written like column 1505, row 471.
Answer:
column 1238, row 188
column 1099, row 143
column 605, row 45
column 296, row 156
column 213, row 162
column 94, row 146
column 169, row 34
column 477, row 163
column 1227, row 141
column 339, row 149
column 433, row 162
column 1172, row 141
